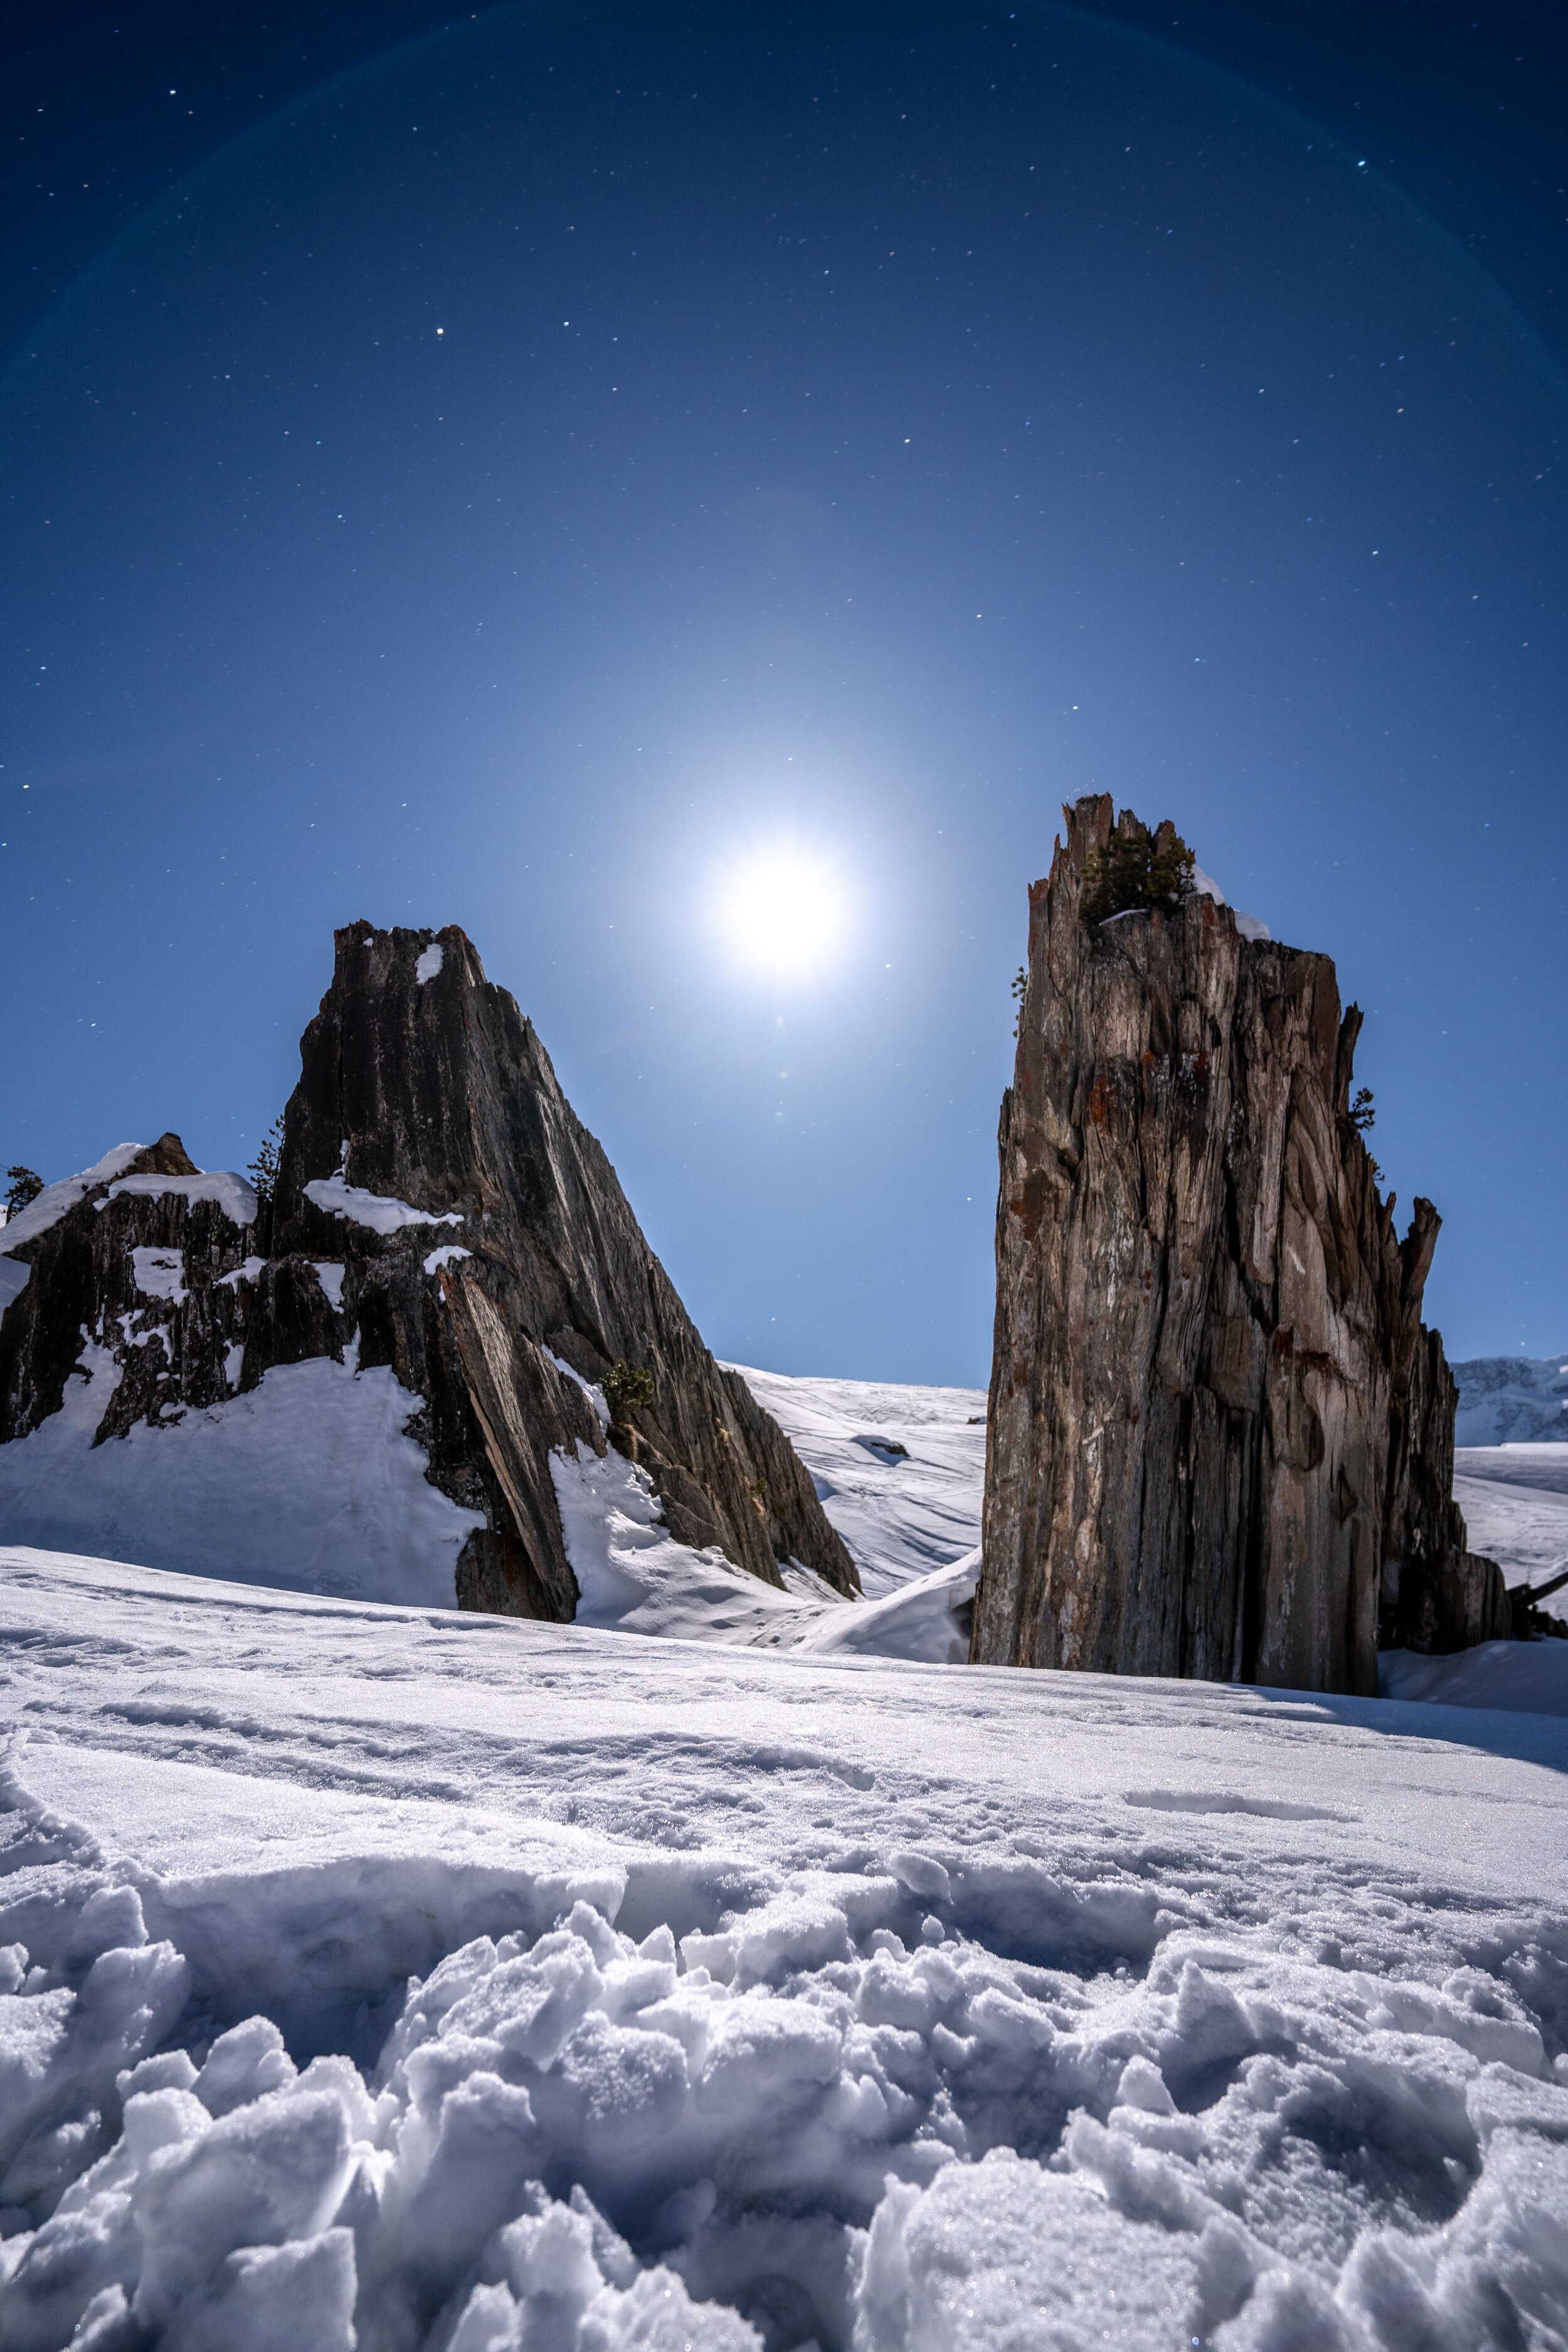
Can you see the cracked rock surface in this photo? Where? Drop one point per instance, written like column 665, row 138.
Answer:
column 1220, row 1438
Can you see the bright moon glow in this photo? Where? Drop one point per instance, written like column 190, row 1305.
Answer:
column 782, row 911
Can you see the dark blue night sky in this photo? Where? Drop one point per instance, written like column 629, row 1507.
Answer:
column 548, row 469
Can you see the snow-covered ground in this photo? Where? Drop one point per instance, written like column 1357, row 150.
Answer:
column 725, row 1970
column 422, row 1979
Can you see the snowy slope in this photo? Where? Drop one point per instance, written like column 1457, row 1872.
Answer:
column 901, row 1514
column 633, row 1575
column 1515, row 1502
column 309, row 1480
column 648, row 1993
column 312, row 1481
column 1527, row 1677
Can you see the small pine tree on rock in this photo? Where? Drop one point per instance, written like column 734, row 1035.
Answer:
column 1363, row 1118
column 1136, row 869
column 263, row 1168
column 22, row 1185
column 627, row 1386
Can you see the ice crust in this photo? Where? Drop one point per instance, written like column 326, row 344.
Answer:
column 408, row 1981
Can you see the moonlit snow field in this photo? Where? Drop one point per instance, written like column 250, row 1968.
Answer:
column 386, row 1976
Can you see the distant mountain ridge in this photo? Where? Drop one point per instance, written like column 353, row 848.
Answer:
column 1513, row 1400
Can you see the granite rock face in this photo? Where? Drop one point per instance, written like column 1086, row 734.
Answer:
column 1219, row 1438
column 439, row 1209
column 151, row 1234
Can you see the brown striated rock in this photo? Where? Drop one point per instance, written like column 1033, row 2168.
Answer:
column 439, row 1210
column 1219, row 1439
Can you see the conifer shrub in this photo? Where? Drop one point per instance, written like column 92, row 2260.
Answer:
column 1136, row 869
column 22, row 1185
column 263, row 1168
column 627, row 1386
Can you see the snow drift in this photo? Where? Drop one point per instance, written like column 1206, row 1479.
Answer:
column 403, row 1979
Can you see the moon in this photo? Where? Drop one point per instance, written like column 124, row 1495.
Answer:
column 783, row 910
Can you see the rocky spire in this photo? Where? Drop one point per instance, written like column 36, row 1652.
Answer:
column 439, row 1210
column 1219, row 1438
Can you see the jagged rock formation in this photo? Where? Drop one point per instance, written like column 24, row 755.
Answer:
column 439, row 1210
column 1219, row 1439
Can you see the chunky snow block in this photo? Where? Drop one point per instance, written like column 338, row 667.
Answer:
column 1219, row 1437
column 357, row 1387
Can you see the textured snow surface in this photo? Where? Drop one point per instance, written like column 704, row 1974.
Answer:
column 398, row 1978
column 429, row 963
column 307, row 1480
column 1504, row 1397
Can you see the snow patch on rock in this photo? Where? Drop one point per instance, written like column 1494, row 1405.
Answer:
column 382, row 1215
column 330, row 1274
column 1250, row 927
column 446, row 1256
column 310, row 1476
column 160, row 1274
column 54, row 1200
column 232, row 1194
